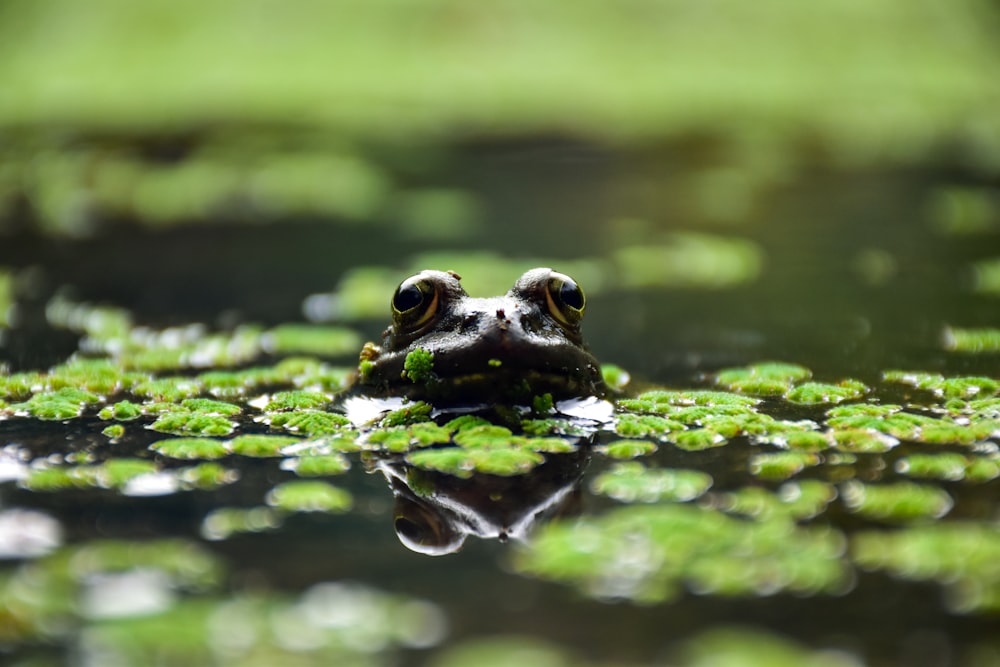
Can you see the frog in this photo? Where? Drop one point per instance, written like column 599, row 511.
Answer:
column 445, row 347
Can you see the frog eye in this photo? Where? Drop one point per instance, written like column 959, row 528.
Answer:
column 565, row 299
column 415, row 301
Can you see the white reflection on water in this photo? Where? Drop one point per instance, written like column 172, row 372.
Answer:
column 133, row 593
column 28, row 534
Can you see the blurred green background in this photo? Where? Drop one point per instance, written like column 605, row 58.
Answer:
column 164, row 112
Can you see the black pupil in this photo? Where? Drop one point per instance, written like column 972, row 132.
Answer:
column 407, row 297
column 571, row 295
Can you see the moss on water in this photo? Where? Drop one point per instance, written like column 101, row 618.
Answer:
column 307, row 422
column 682, row 546
column 899, row 502
column 309, row 496
column 324, row 341
column 972, row 341
column 633, row 482
column 628, row 449
column 961, row 556
column 260, row 445
column 190, row 448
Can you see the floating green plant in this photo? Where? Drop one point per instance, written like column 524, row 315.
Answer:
column 972, row 341
column 309, row 496
column 698, row 439
column 257, row 445
column 172, row 389
column 797, row 500
column 863, row 441
column 114, row 431
column 224, row 522
column 463, row 462
column 296, row 400
column 206, row 476
column 962, row 556
column 897, row 502
column 641, row 426
column 309, row 423
column 762, row 379
column 121, row 411
column 111, row 474
column 754, row 648
column 817, row 393
column 183, row 422
column 628, row 449
column 781, row 465
column 616, row 377
column 647, row 553
column 404, row 438
column 633, row 482
column 956, row 387
column 948, row 466
column 100, row 376
column 323, row 341
column 190, row 448
column 64, row 403
column 318, row 466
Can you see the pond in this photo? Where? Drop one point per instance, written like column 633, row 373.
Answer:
column 801, row 466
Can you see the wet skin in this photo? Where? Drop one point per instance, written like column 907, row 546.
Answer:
column 505, row 349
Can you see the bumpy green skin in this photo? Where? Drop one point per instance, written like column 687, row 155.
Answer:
column 504, row 350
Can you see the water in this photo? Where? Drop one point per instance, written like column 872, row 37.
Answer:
column 856, row 279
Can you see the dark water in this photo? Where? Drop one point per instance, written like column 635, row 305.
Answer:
column 811, row 305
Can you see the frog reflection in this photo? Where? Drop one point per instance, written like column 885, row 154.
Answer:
column 434, row 512
column 446, row 347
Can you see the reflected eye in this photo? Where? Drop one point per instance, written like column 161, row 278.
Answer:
column 415, row 302
column 565, row 299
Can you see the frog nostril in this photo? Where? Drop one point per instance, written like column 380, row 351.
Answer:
column 501, row 314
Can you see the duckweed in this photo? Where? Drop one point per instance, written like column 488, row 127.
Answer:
column 770, row 379
column 403, row 438
column 972, row 341
column 62, row 404
column 948, row 466
column 318, row 466
column 797, row 500
column 966, row 387
column 114, row 431
column 641, row 426
column 121, row 411
column 898, row 502
column 182, row 422
column 615, row 377
column 296, row 400
column 260, row 445
column 648, row 553
column 628, row 449
column 323, row 341
column 633, row 482
column 309, row 496
column 309, row 423
column 962, row 556
column 411, row 414
column 817, row 393
column 112, row 474
column 698, row 439
column 463, row 462
column 781, row 465
column 190, row 448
